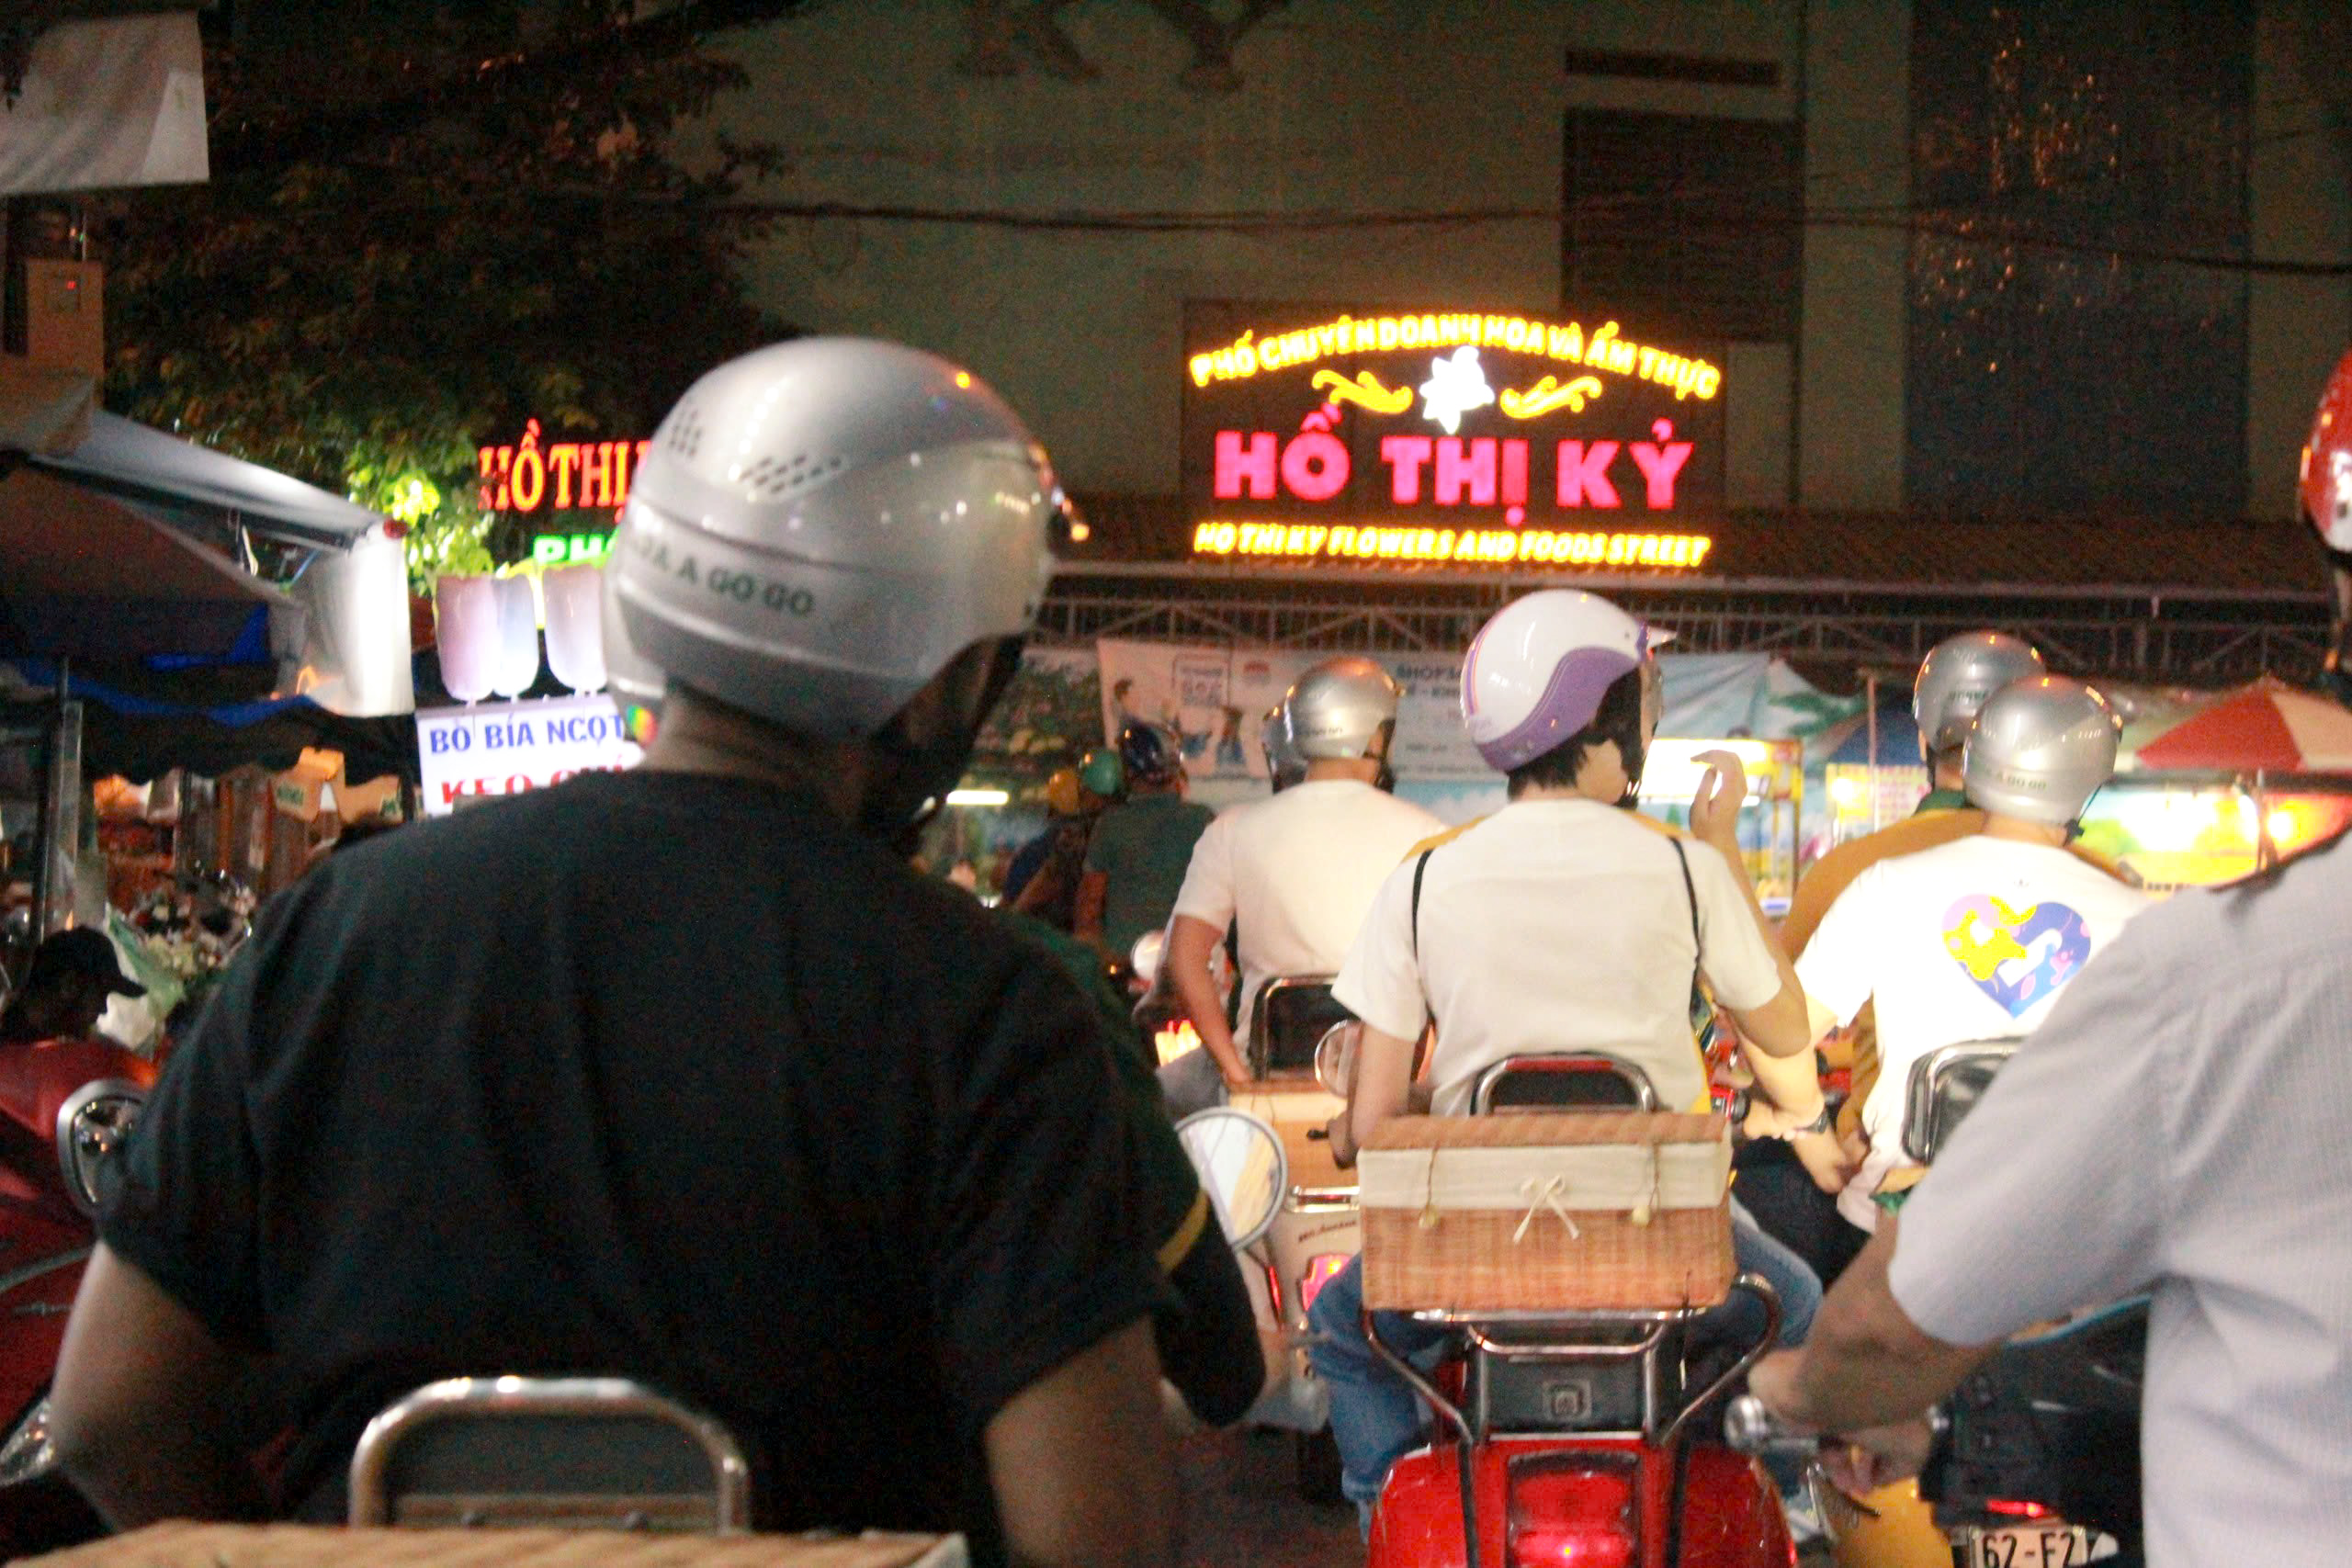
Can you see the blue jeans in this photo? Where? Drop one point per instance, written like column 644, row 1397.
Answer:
column 1376, row 1417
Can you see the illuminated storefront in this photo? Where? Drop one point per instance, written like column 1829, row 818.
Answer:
column 1467, row 439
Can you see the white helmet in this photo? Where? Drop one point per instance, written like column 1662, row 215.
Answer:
column 821, row 527
column 1337, row 710
column 2040, row 749
column 633, row 682
column 1956, row 677
column 1535, row 673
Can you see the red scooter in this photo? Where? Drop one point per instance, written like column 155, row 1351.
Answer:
column 1592, row 1439
column 45, row 1240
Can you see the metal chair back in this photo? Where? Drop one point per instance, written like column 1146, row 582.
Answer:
column 582, row 1453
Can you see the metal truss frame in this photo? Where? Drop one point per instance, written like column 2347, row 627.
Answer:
column 2122, row 633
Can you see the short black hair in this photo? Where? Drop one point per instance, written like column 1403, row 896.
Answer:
column 1619, row 719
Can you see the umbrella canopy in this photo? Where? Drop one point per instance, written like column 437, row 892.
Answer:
column 1848, row 741
column 90, row 578
column 2267, row 726
column 183, row 482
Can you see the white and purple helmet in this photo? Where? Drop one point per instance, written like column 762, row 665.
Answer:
column 1536, row 672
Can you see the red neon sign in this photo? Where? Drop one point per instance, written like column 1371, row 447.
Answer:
column 1482, row 470
column 527, row 478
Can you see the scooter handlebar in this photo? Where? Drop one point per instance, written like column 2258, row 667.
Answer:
column 1749, row 1429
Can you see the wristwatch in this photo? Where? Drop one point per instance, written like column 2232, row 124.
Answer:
column 1821, row 1123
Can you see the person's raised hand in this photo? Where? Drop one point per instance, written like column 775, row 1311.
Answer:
column 1714, row 809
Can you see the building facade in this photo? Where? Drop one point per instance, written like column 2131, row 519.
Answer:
column 1964, row 272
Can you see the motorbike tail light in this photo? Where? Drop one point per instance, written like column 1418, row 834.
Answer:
column 2016, row 1510
column 1573, row 1510
column 1320, row 1270
column 1176, row 1039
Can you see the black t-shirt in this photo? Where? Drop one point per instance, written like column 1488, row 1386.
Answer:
column 664, row 1076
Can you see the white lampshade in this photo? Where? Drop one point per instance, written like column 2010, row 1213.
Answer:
column 518, row 638
column 466, row 609
column 574, row 597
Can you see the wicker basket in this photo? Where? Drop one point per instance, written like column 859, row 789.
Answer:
column 1525, row 1213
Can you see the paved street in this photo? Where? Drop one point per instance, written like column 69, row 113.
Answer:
column 1241, row 1506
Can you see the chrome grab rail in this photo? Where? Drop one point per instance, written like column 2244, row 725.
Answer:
column 1260, row 1048
column 1922, row 1120
column 1482, row 1093
column 456, row 1398
column 1761, row 1288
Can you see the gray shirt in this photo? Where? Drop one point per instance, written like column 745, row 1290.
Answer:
column 2182, row 1124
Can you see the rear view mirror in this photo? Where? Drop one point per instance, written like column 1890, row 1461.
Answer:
column 91, row 1125
column 1242, row 1167
column 1335, row 1057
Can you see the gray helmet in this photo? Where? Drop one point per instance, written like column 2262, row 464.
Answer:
column 1956, row 677
column 2040, row 749
column 1284, row 765
column 822, row 527
column 1336, row 710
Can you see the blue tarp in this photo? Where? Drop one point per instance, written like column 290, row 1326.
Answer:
column 142, row 736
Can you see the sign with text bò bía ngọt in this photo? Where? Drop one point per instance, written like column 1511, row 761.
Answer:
column 465, row 754
column 1461, row 438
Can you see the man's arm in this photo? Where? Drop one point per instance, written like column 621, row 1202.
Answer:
column 1866, row 1363
column 1190, row 943
column 1080, row 1465
column 1211, row 1351
column 136, row 1409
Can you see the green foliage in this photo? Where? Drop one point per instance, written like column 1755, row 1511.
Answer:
column 503, row 240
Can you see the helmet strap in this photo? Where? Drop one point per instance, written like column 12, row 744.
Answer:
column 919, row 754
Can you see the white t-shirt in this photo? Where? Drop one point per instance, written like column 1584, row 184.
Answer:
column 1559, row 926
column 1296, row 873
column 2178, row 1124
column 1972, row 940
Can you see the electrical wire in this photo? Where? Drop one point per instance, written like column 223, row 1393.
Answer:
column 1939, row 223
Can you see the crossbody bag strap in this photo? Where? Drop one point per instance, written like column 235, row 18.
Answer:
column 1420, row 866
column 1690, row 893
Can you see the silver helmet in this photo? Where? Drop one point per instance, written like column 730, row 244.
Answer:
column 822, row 527
column 1283, row 766
column 1958, row 675
column 2040, row 749
column 633, row 681
column 1337, row 710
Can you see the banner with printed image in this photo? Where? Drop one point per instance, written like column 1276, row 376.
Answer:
column 1213, row 698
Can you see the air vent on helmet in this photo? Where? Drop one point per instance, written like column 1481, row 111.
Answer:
column 685, row 431
column 773, row 477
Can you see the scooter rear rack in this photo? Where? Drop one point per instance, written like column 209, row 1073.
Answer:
column 1472, row 1427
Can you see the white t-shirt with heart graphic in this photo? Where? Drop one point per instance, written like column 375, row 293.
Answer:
column 1971, row 940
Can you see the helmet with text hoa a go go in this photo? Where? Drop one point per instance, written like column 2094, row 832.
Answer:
column 821, row 528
